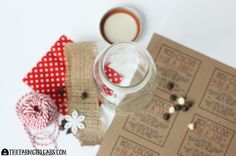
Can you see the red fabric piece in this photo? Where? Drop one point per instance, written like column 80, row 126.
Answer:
column 113, row 76
column 48, row 76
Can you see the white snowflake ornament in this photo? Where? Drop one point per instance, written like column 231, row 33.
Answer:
column 74, row 121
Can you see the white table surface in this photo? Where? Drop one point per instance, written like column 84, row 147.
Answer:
column 28, row 28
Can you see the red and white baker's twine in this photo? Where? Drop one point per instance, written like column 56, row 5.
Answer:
column 36, row 112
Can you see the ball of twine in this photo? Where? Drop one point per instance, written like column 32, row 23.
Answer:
column 36, row 110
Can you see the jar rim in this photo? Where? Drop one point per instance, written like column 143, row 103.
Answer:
column 131, row 88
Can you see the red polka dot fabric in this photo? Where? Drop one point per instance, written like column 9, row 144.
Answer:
column 113, row 76
column 48, row 76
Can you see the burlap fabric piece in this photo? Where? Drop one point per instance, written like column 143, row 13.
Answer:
column 79, row 65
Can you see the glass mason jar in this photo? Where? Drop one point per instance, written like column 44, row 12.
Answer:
column 125, row 76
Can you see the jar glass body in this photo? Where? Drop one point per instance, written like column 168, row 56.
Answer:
column 125, row 76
